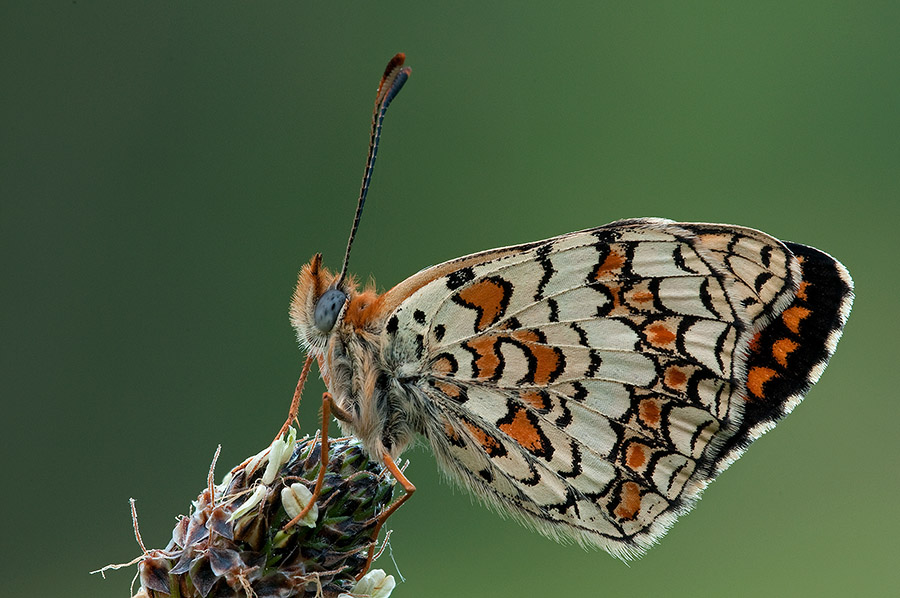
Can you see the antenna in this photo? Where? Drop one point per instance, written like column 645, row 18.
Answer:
column 395, row 75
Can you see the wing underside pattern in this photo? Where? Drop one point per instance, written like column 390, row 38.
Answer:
column 594, row 383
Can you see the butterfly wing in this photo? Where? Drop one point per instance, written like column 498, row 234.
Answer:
column 593, row 384
column 789, row 355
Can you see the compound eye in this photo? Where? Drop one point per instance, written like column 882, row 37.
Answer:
column 327, row 309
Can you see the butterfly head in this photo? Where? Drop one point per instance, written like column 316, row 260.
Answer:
column 319, row 303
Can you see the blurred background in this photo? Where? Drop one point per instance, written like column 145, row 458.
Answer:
column 167, row 169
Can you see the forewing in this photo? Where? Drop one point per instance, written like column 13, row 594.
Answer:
column 589, row 383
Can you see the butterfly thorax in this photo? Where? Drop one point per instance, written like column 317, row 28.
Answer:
column 372, row 404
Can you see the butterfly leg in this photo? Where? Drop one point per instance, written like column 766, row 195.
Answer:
column 408, row 490
column 295, row 401
column 323, row 459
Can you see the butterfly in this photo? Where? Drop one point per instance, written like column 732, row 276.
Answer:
column 591, row 384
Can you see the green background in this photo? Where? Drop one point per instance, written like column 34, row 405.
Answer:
column 167, row 169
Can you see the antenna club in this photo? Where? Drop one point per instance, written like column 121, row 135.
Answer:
column 395, row 63
column 398, row 60
column 395, row 76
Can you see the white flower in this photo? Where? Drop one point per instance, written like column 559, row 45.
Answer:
column 256, row 460
column 279, row 453
column 251, row 502
column 374, row 584
column 294, row 498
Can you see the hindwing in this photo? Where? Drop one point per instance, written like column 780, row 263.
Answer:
column 594, row 383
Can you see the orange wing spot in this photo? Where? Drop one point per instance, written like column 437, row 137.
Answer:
column 526, row 336
column 754, row 343
column 548, row 363
column 629, row 501
column 618, row 307
column 451, row 433
column 782, row 348
column 443, row 365
column 792, row 317
column 756, row 379
column 649, row 411
column 487, row 362
column 523, row 432
column 618, row 302
column 801, row 291
column 636, row 456
column 489, row 297
column 613, row 262
column 642, row 296
column 535, row 399
column 546, row 358
column 451, row 390
column 675, row 377
column 487, row 442
column 659, row 335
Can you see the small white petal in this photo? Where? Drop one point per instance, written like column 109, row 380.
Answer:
column 257, row 460
column 292, row 436
column 375, row 584
column 250, row 503
column 279, row 453
column 276, row 454
column 385, row 588
column 295, row 498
